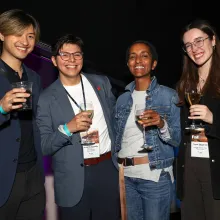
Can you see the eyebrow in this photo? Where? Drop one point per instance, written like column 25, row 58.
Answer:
column 141, row 52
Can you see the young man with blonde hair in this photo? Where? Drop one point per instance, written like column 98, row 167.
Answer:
column 22, row 193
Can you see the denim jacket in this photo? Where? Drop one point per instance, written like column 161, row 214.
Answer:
column 163, row 100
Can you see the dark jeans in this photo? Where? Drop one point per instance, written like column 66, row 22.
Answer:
column 100, row 200
column 147, row 199
column 198, row 202
column 27, row 199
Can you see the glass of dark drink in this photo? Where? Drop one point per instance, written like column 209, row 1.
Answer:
column 27, row 85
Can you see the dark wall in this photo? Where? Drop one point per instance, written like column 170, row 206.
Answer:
column 44, row 67
column 108, row 27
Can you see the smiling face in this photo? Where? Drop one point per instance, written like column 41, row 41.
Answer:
column 18, row 46
column 200, row 55
column 140, row 62
column 68, row 70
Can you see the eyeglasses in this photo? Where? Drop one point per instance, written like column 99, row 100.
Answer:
column 198, row 42
column 66, row 56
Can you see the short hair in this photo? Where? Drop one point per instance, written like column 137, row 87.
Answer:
column 66, row 39
column 150, row 45
column 15, row 21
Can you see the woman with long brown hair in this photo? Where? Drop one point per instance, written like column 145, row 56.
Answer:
column 198, row 163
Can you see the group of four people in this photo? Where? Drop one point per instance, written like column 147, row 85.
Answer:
column 86, row 179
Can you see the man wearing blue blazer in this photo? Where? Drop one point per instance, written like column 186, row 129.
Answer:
column 85, row 178
column 22, row 193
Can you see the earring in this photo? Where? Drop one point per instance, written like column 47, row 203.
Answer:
column 213, row 47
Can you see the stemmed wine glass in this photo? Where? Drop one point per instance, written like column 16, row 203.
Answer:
column 139, row 109
column 88, row 107
column 192, row 97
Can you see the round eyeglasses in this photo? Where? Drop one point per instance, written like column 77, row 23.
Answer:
column 67, row 56
column 198, row 42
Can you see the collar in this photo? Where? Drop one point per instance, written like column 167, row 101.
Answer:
column 8, row 68
column 9, row 72
column 131, row 86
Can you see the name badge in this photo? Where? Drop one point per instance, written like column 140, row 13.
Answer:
column 199, row 145
column 90, row 144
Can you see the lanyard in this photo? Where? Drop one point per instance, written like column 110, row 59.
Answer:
column 84, row 98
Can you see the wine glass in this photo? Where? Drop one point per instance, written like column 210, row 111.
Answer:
column 192, row 97
column 88, row 107
column 139, row 109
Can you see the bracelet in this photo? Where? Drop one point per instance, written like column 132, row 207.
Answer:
column 65, row 128
column 2, row 110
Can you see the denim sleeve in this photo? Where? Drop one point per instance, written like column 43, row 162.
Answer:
column 174, row 123
column 115, row 127
column 164, row 132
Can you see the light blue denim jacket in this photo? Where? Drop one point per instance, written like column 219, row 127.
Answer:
column 163, row 100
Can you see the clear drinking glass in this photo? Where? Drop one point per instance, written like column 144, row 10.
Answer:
column 192, row 97
column 87, row 106
column 28, row 86
column 139, row 109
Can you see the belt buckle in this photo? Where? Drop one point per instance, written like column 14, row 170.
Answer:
column 129, row 161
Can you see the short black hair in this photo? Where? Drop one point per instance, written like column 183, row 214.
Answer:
column 66, row 39
column 150, row 45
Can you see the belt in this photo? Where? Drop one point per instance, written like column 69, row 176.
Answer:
column 127, row 162
column 93, row 161
column 133, row 161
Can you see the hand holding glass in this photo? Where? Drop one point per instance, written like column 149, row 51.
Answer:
column 139, row 110
column 28, row 87
column 88, row 107
column 192, row 97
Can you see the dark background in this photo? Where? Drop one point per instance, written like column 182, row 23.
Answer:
column 108, row 27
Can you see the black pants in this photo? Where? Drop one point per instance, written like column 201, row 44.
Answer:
column 198, row 202
column 27, row 198
column 100, row 200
